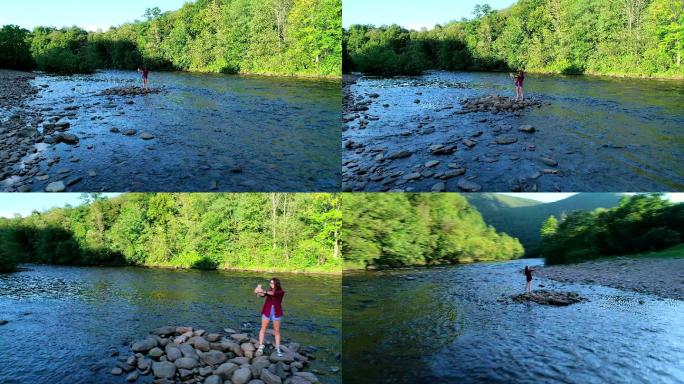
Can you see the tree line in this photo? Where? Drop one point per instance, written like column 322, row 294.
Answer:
column 613, row 37
column 387, row 230
column 640, row 223
column 286, row 37
column 251, row 231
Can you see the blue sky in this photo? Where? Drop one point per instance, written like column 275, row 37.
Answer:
column 87, row 14
column 25, row 203
column 412, row 14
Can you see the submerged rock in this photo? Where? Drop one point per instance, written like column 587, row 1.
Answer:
column 128, row 91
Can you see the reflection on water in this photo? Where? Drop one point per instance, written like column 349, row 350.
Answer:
column 607, row 134
column 63, row 321
column 445, row 325
column 283, row 134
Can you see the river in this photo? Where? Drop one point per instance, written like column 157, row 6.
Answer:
column 211, row 132
column 63, row 321
column 606, row 134
column 446, row 325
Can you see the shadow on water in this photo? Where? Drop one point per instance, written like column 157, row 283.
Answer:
column 446, row 325
column 64, row 321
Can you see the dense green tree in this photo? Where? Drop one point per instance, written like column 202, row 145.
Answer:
column 285, row 37
column 628, row 37
column 15, row 48
column 641, row 223
column 394, row 230
column 232, row 231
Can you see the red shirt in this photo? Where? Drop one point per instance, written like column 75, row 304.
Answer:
column 276, row 301
column 145, row 72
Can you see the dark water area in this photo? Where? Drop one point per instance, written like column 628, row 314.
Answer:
column 606, row 134
column 282, row 134
column 446, row 325
column 63, row 321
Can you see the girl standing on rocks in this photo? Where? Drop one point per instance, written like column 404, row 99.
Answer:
column 519, row 81
column 272, row 311
column 145, row 73
column 528, row 276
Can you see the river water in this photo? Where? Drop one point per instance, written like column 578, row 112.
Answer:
column 606, row 134
column 63, row 321
column 446, row 325
column 282, row 134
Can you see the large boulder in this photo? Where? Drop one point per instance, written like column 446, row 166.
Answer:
column 144, row 345
column 173, row 353
column 186, row 363
column 241, row 376
column 226, row 370
column 188, row 351
column 200, row 343
column 213, row 357
column 213, row 379
column 164, row 331
column 270, row 378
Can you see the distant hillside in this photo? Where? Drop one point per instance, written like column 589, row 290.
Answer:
column 522, row 218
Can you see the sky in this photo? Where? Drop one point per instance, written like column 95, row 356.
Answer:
column 25, row 203
column 412, row 14
column 87, row 14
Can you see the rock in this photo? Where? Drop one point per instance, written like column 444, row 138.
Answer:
column 186, row 363
column 270, row 378
column 545, row 297
column 431, row 164
column 73, row 181
column 146, row 136
column 213, row 357
column 206, row 371
column 439, row 187
column 133, row 376
column 200, row 343
column 67, row 138
column 374, row 95
column 156, row 352
column 469, row 143
column 164, row 370
column 213, row 337
column 240, row 360
column 185, row 373
column 286, row 357
column 548, row 161
column 164, row 331
column 173, row 353
column 399, row 155
column 248, row 350
column 226, row 370
column 144, row 364
column 454, row 173
column 527, row 129
column 188, row 351
column 114, row 130
column 310, row 377
column 506, row 139
column 469, row 186
column 144, row 345
column 213, row 379
column 413, row 176
column 117, row 371
column 442, row 149
column 242, row 376
column 130, row 132
column 57, row 186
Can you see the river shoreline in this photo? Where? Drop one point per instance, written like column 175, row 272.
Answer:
column 26, row 267
column 656, row 276
column 548, row 73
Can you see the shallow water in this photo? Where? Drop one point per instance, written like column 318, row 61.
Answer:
column 447, row 326
column 606, row 134
column 63, row 321
column 282, row 133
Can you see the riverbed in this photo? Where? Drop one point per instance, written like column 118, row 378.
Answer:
column 64, row 321
column 590, row 134
column 201, row 132
column 450, row 325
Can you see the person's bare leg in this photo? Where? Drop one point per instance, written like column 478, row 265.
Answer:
column 522, row 94
column 276, row 328
column 262, row 332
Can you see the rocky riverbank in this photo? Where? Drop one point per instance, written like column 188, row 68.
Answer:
column 661, row 277
column 186, row 355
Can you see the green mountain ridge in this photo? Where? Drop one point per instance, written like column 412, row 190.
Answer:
column 522, row 218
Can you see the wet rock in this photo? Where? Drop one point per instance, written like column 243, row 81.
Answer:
column 133, row 376
column 439, row 187
column 156, row 353
column 130, row 132
column 310, row 377
column 442, row 149
column 74, row 181
column 128, row 91
column 469, row 186
column 146, row 136
column 114, row 130
column 117, row 371
column 527, row 129
column 548, row 161
column 431, row 164
column 469, row 143
column 506, row 139
column 66, row 138
column 164, row 370
column 57, row 186
column 546, row 297
column 374, row 95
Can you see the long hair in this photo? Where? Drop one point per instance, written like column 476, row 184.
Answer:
column 276, row 284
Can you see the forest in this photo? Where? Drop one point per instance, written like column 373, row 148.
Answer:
column 640, row 223
column 604, row 37
column 388, row 230
column 280, row 37
column 244, row 231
